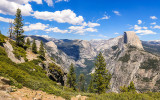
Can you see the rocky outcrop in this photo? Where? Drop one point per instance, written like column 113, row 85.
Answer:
column 9, row 50
column 131, row 38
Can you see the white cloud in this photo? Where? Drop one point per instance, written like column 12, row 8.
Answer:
column 8, row 7
column 6, row 19
column 81, row 30
column 90, row 24
column 136, row 27
column 156, row 27
column 61, row 1
column 64, row 16
column 145, row 28
column 104, row 17
column 49, row 2
column 145, row 32
column 25, row 1
column 116, row 33
column 27, row 23
column 37, row 26
column 117, row 13
column 154, row 23
column 102, row 36
column 153, row 17
column 139, row 21
column 56, row 30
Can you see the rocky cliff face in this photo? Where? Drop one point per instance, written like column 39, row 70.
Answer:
column 132, row 39
column 129, row 62
column 126, row 59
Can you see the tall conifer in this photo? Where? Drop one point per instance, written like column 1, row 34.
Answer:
column 18, row 28
column 81, row 83
column 71, row 77
column 34, row 47
column 101, row 75
column 41, row 51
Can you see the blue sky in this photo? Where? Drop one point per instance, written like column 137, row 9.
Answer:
column 84, row 19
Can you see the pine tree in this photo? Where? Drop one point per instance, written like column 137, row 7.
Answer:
column 28, row 41
column 101, row 76
column 18, row 28
column 90, row 87
column 34, row 46
column 131, row 87
column 71, row 77
column 41, row 51
column 81, row 83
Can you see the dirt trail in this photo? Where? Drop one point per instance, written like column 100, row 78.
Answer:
column 28, row 94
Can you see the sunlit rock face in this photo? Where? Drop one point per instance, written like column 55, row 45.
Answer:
column 131, row 38
column 124, row 56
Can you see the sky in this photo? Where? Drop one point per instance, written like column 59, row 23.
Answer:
column 84, row 19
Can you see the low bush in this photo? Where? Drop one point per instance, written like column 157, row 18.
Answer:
column 18, row 51
column 127, row 96
column 150, row 64
column 125, row 58
column 30, row 75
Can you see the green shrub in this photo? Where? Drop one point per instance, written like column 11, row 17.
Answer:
column 2, row 39
column 114, row 47
column 30, row 75
column 146, row 79
column 18, row 51
column 126, row 96
column 150, row 64
column 125, row 58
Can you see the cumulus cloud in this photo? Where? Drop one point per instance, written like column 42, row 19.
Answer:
column 37, row 26
column 90, row 24
column 104, row 17
column 153, row 17
column 25, row 1
column 102, row 36
column 154, row 23
column 156, row 27
column 116, row 33
column 49, row 2
column 61, row 1
column 117, row 13
column 64, row 16
column 136, row 27
column 9, row 7
column 139, row 21
column 81, row 30
column 145, row 32
column 56, row 30
column 6, row 19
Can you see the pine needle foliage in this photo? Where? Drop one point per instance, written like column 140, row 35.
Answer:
column 71, row 77
column 18, row 28
column 101, row 75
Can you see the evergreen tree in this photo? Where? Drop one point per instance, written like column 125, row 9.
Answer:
column 41, row 51
column 34, row 46
column 101, row 76
column 18, row 28
column 90, row 87
column 28, row 41
column 71, row 77
column 131, row 87
column 81, row 82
